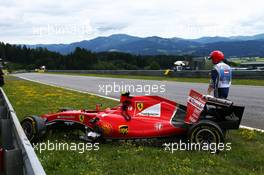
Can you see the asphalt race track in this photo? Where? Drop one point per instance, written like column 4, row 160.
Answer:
column 250, row 96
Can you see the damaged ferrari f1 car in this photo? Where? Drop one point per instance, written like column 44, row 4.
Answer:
column 204, row 119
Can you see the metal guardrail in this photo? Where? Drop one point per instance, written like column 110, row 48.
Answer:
column 18, row 154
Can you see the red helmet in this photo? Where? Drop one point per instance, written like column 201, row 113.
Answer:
column 216, row 56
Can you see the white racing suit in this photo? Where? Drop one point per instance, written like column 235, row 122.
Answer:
column 221, row 77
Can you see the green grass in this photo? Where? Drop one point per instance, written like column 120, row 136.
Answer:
column 260, row 59
column 253, row 82
column 246, row 156
column 244, row 60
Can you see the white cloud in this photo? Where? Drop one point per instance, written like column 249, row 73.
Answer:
column 60, row 21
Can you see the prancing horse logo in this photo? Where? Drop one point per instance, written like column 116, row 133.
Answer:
column 140, row 106
column 81, row 118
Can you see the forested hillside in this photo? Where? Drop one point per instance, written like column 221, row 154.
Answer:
column 22, row 57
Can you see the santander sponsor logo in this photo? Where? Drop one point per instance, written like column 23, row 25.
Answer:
column 196, row 103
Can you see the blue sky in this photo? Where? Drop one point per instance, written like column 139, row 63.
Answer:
column 66, row 21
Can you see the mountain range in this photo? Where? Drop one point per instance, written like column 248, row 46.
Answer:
column 232, row 46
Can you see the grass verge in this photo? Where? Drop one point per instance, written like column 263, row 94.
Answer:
column 252, row 82
column 246, row 156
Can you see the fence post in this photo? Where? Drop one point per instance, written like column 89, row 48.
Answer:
column 13, row 162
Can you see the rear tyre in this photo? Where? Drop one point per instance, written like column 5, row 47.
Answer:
column 34, row 128
column 205, row 132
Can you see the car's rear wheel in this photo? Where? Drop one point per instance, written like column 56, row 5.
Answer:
column 28, row 128
column 205, row 132
column 34, row 128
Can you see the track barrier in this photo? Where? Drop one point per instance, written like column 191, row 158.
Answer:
column 17, row 156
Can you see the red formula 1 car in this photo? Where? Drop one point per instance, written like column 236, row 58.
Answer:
column 204, row 119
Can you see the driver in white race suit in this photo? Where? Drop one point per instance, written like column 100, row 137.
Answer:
column 221, row 75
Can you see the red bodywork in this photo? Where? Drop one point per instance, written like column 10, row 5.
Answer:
column 135, row 117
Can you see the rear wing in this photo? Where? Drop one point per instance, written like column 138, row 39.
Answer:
column 217, row 101
column 195, row 106
column 228, row 115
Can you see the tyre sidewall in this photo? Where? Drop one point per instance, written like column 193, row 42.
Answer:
column 32, row 137
column 206, row 125
column 38, row 128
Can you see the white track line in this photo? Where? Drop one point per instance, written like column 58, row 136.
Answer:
column 115, row 99
column 84, row 92
column 250, row 128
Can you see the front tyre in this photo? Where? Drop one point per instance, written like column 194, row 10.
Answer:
column 205, row 132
